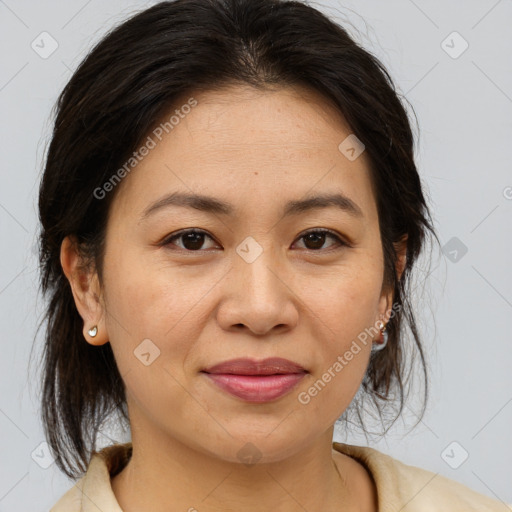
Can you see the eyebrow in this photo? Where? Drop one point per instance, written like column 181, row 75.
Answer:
column 212, row 205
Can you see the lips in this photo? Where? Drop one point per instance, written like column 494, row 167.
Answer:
column 244, row 366
column 256, row 381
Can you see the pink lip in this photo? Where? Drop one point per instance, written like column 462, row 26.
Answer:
column 256, row 381
column 256, row 388
column 246, row 366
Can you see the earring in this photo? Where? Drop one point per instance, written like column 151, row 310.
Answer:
column 379, row 345
column 93, row 331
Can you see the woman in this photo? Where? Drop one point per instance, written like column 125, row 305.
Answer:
column 230, row 214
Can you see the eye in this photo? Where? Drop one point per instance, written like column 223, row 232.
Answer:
column 315, row 238
column 192, row 240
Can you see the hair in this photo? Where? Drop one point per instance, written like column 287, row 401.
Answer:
column 123, row 87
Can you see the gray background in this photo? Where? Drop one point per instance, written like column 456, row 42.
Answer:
column 464, row 106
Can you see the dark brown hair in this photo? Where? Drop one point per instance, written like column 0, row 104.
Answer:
column 127, row 82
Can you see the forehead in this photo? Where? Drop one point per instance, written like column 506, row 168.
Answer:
column 242, row 144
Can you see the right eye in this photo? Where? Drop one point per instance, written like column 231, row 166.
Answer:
column 192, row 239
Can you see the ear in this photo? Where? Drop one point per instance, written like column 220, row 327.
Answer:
column 86, row 291
column 401, row 253
column 386, row 300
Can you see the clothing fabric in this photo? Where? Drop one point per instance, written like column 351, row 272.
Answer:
column 400, row 487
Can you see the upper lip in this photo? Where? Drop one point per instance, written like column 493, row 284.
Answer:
column 246, row 366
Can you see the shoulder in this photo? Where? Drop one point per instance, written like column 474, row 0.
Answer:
column 412, row 489
column 71, row 501
column 94, row 489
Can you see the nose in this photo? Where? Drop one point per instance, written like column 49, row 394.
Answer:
column 258, row 296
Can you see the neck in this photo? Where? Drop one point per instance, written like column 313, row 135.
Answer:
column 164, row 475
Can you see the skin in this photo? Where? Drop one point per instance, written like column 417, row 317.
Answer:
column 297, row 300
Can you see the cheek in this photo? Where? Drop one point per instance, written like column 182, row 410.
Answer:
column 151, row 322
column 342, row 361
column 347, row 303
column 148, row 302
column 345, row 312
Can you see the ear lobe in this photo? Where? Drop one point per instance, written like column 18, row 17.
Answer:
column 86, row 290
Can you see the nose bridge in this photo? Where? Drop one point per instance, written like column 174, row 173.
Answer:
column 257, row 265
column 256, row 295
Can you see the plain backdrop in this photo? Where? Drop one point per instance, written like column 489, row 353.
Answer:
column 451, row 60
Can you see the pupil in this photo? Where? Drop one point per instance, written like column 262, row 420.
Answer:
column 318, row 239
column 193, row 239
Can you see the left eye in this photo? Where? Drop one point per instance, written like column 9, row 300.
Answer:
column 317, row 238
column 193, row 239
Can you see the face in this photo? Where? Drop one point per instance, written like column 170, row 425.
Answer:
column 254, row 281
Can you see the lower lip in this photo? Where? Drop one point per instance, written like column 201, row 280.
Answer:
column 256, row 388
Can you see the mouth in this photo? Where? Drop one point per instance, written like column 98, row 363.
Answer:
column 256, row 381
column 246, row 366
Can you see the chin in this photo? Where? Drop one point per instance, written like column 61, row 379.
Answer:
column 250, row 447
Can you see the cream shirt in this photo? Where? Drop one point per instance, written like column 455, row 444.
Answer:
column 400, row 487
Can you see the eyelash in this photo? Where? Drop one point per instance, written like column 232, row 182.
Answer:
column 167, row 241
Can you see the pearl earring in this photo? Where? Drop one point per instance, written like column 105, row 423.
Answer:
column 380, row 345
column 93, row 331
